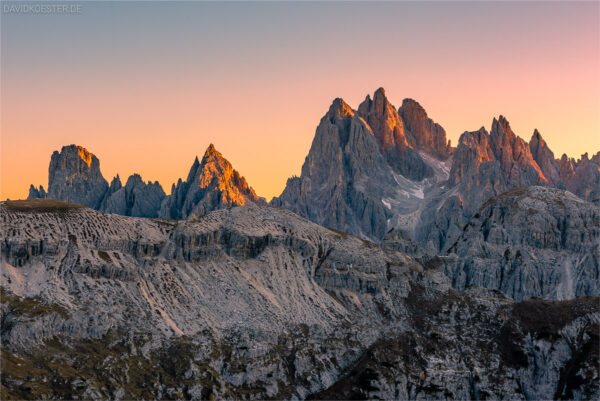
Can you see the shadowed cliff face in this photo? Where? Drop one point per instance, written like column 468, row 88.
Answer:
column 256, row 302
column 136, row 198
column 74, row 176
column 344, row 177
column 529, row 242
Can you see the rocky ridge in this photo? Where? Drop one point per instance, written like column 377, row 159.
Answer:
column 255, row 302
column 75, row 176
column 529, row 242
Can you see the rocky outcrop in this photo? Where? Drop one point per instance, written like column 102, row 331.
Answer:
column 211, row 184
column 74, row 176
column 422, row 132
column 36, row 193
column 136, row 198
column 256, row 303
column 388, row 129
column 531, row 339
column 529, row 242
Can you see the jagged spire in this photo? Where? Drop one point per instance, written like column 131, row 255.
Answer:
column 211, row 152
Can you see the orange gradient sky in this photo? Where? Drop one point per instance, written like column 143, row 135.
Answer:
column 146, row 86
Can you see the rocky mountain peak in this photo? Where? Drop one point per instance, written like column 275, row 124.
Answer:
column 544, row 157
column 422, row 132
column 501, row 123
column 566, row 167
column 501, row 133
column 36, row 193
column 380, row 100
column 388, row 129
column 133, row 180
column 338, row 109
column 74, row 176
column 85, row 155
column 415, row 108
column 212, row 183
column 116, row 184
column 383, row 119
column 536, row 136
column 214, row 165
column 211, row 152
column 136, row 198
column 512, row 151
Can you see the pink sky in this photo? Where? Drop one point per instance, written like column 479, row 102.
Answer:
column 147, row 86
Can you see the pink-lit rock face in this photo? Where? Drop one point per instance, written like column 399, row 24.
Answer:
column 389, row 130
column 421, row 131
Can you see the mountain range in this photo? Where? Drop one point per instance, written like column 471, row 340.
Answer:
column 389, row 176
column 75, row 177
column 396, row 266
column 368, row 171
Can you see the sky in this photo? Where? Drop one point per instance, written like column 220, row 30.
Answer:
column 147, row 86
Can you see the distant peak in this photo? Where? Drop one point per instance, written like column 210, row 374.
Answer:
column 537, row 139
column 339, row 108
column 412, row 103
column 379, row 96
column 116, row 179
column 211, row 152
column 83, row 153
column 379, row 103
column 501, row 125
